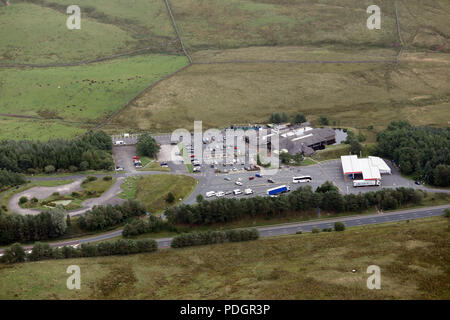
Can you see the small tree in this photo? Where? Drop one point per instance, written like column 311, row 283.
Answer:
column 23, row 200
column 299, row 118
column 339, row 226
column 14, row 254
column 147, row 146
column 324, row 121
column 170, row 198
column 447, row 213
column 199, row 198
column 84, row 165
column 49, row 169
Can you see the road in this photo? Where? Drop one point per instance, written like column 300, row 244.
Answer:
column 292, row 228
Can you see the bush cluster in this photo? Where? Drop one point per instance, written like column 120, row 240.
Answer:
column 211, row 237
column 103, row 217
column 10, row 179
column 152, row 225
column 43, row 251
column 304, row 199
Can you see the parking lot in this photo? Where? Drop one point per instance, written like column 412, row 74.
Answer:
column 232, row 170
column 320, row 173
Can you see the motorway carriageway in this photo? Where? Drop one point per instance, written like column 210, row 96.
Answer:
column 292, row 228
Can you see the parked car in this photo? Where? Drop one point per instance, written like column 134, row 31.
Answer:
column 220, row 194
column 227, row 179
column 248, row 191
column 259, row 175
column 418, row 183
column 270, row 181
column 251, row 178
column 238, row 183
column 237, row 191
column 210, row 194
column 119, row 168
column 228, row 193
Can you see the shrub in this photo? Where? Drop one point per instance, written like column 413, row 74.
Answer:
column 14, row 254
column 34, row 200
column 447, row 213
column 107, row 178
column 315, row 230
column 55, row 193
column 211, row 237
column 49, row 169
column 40, row 251
column 339, row 226
column 90, row 179
column 23, row 200
column 75, row 194
column 170, row 198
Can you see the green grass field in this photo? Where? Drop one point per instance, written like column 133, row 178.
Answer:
column 413, row 258
column 36, row 33
column 152, row 190
column 81, row 96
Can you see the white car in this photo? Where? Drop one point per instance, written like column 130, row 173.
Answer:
column 220, row 194
column 248, row 191
column 238, row 183
column 237, row 191
column 210, row 194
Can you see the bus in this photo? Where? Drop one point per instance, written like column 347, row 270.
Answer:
column 301, row 179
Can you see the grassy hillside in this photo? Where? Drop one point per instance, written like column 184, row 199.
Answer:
column 352, row 95
column 413, row 258
column 83, row 94
column 35, row 32
column 219, row 24
column 424, row 25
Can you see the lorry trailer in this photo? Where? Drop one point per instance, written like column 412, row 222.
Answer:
column 366, row 183
column 278, row 190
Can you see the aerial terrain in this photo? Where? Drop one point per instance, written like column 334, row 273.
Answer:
column 85, row 122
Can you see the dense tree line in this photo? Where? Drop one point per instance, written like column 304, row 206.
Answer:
column 92, row 151
column 423, row 152
column 46, row 225
column 211, row 237
column 103, row 217
column 147, row 146
column 152, row 225
column 304, row 199
column 43, row 251
column 10, row 179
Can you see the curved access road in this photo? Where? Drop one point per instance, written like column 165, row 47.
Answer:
column 292, row 228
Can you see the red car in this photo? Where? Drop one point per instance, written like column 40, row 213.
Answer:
column 135, row 158
column 251, row 178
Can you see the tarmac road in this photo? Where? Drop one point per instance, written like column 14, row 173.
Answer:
column 292, row 228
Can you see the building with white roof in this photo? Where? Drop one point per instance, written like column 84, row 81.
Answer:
column 370, row 168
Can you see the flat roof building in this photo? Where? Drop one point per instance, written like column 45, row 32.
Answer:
column 370, row 168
